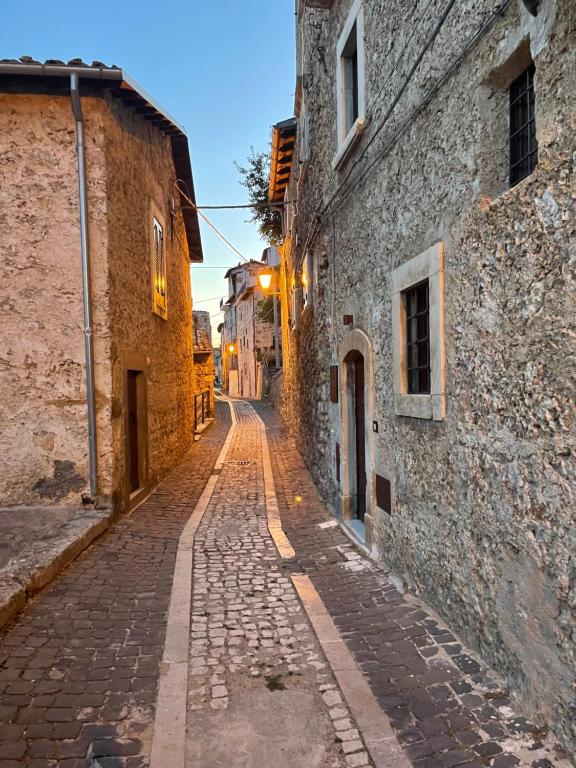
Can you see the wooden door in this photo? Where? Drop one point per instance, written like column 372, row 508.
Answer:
column 360, row 435
column 133, row 456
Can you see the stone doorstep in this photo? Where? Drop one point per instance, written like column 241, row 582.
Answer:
column 41, row 562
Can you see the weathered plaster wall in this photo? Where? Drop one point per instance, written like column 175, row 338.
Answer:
column 482, row 521
column 136, row 150
column 43, row 437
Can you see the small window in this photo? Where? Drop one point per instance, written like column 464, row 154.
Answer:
column 350, row 73
column 158, row 269
column 418, row 356
column 308, row 278
column 523, row 144
column 417, row 339
column 350, row 96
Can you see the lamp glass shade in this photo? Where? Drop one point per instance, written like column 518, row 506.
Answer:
column 265, row 280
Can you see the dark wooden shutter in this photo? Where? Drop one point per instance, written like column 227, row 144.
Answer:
column 383, row 496
column 333, row 383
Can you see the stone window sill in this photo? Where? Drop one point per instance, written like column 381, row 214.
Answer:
column 349, row 143
column 420, row 406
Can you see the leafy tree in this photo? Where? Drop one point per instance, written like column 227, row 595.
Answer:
column 255, row 177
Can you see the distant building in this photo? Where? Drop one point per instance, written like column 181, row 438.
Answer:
column 217, row 366
column 97, row 393
column 203, row 371
column 246, row 332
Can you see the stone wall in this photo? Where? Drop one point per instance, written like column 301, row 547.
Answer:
column 482, row 521
column 43, row 439
column 135, row 149
column 204, row 372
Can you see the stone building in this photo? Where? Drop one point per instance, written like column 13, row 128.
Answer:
column 428, row 295
column 203, row 370
column 247, row 332
column 96, row 357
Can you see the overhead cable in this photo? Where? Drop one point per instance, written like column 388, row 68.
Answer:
column 321, row 218
column 215, row 229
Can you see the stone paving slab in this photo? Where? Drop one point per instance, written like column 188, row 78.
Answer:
column 79, row 667
column 445, row 706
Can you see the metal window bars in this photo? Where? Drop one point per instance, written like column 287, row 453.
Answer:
column 418, row 339
column 523, row 144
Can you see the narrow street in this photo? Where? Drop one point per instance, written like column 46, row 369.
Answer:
column 305, row 657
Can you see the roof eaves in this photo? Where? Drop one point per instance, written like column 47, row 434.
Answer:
column 27, row 66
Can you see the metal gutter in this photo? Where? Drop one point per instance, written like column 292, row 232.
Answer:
column 61, row 70
column 86, row 283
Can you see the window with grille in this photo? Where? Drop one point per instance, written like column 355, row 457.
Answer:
column 158, row 269
column 523, row 144
column 416, row 302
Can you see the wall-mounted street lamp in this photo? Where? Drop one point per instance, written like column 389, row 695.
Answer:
column 265, row 280
column 231, row 348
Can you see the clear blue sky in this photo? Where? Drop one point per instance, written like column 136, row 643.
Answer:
column 223, row 69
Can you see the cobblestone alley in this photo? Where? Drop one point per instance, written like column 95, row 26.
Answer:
column 294, row 649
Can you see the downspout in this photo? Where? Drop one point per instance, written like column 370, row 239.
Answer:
column 86, row 285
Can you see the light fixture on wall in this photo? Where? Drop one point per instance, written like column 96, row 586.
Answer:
column 231, row 348
column 265, row 280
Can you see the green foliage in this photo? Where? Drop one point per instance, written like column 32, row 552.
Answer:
column 255, row 177
column 266, row 310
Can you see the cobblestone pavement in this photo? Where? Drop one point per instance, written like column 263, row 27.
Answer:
column 79, row 668
column 446, row 708
column 257, row 673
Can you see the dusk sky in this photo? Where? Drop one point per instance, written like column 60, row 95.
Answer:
column 224, row 70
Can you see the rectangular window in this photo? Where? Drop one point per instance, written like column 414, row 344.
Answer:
column 158, row 269
column 308, row 278
column 416, row 302
column 350, row 71
column 523, row 144
column 350, row 84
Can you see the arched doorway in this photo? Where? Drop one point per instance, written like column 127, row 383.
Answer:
column 357, row 450
column 355, row 378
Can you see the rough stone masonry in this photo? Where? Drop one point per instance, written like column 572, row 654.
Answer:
column 481, row 520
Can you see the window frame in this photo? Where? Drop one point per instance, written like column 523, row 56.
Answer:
column 346, row 137
column 159, row 301
column 426, row 267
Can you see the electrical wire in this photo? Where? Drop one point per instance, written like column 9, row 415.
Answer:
column 189, row 200
column 388, row 114
column 312, row 232
column 402, row 52
column 248, row 205
column 320, row 220
column 212, row 298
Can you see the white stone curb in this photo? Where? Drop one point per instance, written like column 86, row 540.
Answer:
column 374, row 726
column 280, row 539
